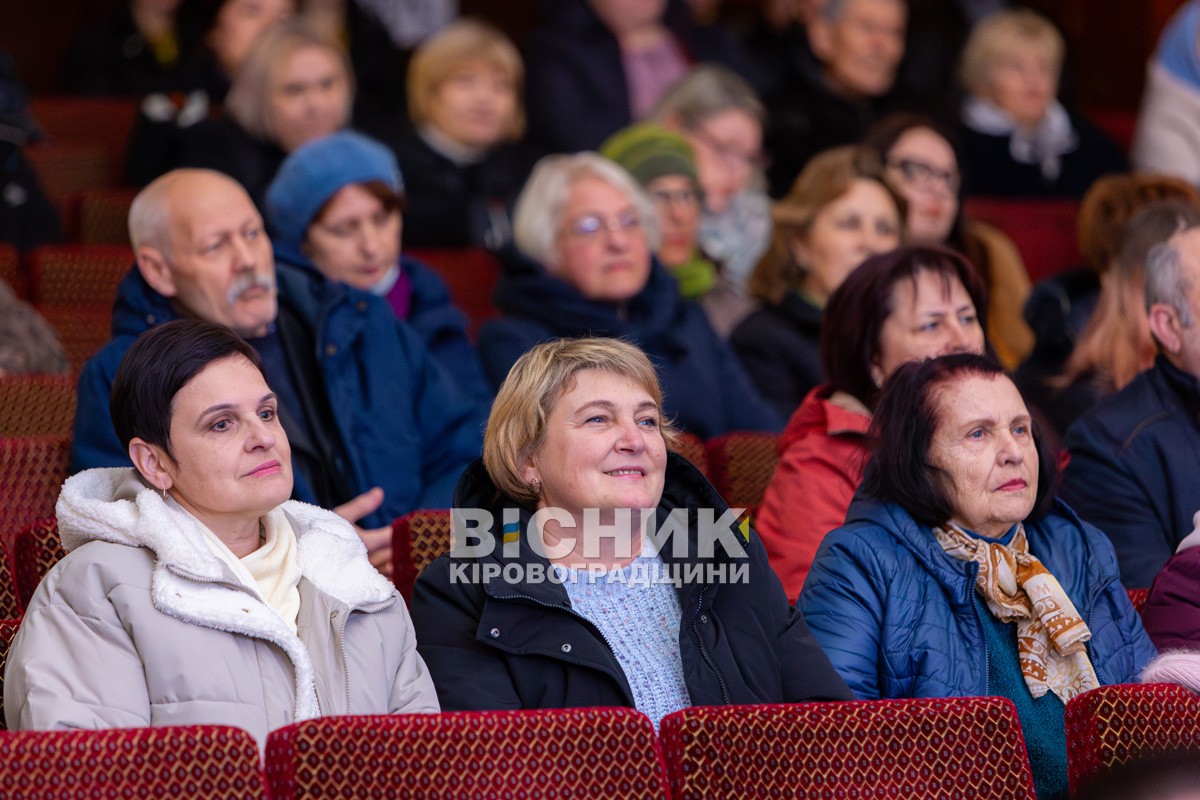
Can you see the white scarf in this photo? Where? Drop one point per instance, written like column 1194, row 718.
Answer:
column 1044, row 145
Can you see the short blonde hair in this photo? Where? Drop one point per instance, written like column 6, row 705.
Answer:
column 537, row 218
column 1000, row 34
column 826, row 177
column 516, row 427
column 248, row 102
column 463, row 42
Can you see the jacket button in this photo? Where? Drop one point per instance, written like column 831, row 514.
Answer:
column 494, row 633
column 704, row 618
column 331, row 349
column 566, row 648
column 333, row 615
column 361, row 306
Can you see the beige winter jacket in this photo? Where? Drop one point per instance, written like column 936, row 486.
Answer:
column 141, row 625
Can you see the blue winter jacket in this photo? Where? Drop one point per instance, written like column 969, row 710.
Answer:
column 438, row 323
column 895, row 614
column 705, row 390
column 403, row 425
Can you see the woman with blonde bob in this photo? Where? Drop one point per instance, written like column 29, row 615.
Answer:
column 465, row 160
column 839, row 211
column 586, row 233
column 581, row 593
column 1017, row 138
column 293, row 87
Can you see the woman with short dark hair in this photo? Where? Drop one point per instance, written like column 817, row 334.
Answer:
column 194, row 591
column 959, row 573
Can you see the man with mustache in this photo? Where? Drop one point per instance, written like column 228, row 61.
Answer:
column 376, row 427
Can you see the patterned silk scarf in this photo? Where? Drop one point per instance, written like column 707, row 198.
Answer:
column 1016, row 586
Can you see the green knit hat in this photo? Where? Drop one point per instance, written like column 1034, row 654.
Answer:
column 650, row 151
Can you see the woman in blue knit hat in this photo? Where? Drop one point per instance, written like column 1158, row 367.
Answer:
column 335, row 206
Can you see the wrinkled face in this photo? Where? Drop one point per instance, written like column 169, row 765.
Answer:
column 603, row 447
column 863, row 221
column 356, row 240
column 728, row 149
column 602, row 249
column 310, row 97
column 623, row 16
column 1024, row 82
column 865, row 47
column 220, row 261
column 238, row 25
column 983, row 453
column 230, row 460
column 475, row 105
column 678, row 205
column 921, row 166
column 931, row 316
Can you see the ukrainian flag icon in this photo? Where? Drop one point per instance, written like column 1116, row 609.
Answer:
column 512, row 532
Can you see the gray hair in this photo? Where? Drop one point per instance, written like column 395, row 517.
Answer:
column 1166, row 281
column 248, row 102
column 708, row 90
column 537, row 218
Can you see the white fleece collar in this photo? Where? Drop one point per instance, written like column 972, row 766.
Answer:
column 191, row 584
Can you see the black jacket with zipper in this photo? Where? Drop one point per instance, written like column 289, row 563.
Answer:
column 501, row 645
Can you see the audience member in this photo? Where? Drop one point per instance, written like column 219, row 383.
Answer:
column 335, row 206
column 839, row 211
column 595, row 66
column 215, row 37
column 958, row 573
column 576, row 463
column 1167, row 138
column 923, row 167
column 905, row 305
column 858, row 45
column 465, row 162
column 1116, row 344
column 1017, row 139
column 663, row 162
column 28, row 344
column 194, row 591
column 1060, row 306
column 292, row 88
column 133, row 51
column 373, row 423
column 722, row 118
column 1172, row 610
column 27, row 217
column 1133, row 454
column 587, row 232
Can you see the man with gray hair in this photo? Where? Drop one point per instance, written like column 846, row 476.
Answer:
column 1134, row 457
column 376, row 428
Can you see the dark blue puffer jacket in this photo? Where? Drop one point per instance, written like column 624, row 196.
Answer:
column 705, row 390
column 895, row 614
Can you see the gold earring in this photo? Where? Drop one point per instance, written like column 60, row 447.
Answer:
column 536, row 486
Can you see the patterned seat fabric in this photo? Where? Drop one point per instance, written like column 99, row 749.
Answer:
column 10, row 269
column 927, row 748
column 8, row 632
column 37, row 405
column 33, row 470
column 418, row 538
column 691, row 447
column 104, row 216
column 36, row 550
column 1115, row 725
column 470, row 274
column 1138, row 598
column 201, row 762
column 560, row 753
column 740, row 465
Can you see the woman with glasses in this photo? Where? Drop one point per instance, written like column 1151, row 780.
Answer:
column 839, row 211
column 921, row 163
column 586, row 233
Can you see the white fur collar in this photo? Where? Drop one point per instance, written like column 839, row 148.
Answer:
column 191, row 584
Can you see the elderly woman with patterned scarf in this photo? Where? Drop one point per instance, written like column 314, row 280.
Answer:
column 958, row 573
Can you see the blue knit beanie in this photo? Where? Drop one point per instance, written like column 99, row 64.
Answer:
column 314, row 173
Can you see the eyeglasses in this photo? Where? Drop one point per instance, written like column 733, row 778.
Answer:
column 730, row 154
column 590, row 226
column 683, row 197
column 926, row 175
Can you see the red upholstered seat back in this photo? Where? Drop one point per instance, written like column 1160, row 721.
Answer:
column 37, row 405
column 741, row 464
column 418, row 538
column 560, row 753
column 926, row 748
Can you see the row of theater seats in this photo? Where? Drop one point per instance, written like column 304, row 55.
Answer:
column 926, row 748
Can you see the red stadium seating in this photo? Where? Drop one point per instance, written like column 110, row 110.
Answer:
column 740, row 466
column 418, row 538
column 470, row 273
column 37, row 405
column 535, row 755
column 1044, row 231
column 927, row 748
